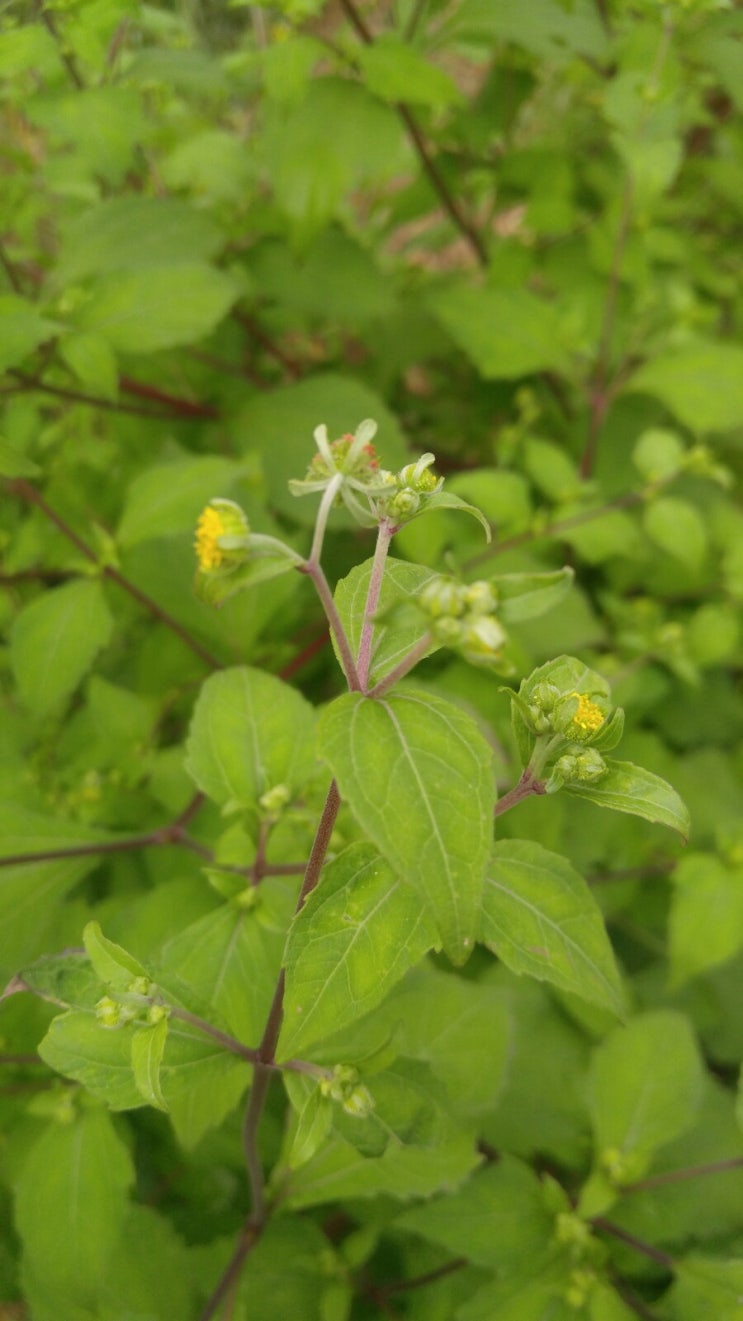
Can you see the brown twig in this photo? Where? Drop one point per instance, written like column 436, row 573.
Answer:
column 188, row 407
column 65, row 56
column 680, row 1176
column 647, row 1249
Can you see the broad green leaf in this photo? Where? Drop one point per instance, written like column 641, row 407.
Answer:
column 408, row 1108
column 706, row 1286
column 22, row 329
column 645, row 1084
column 101, row 129
column 706, row 919
column 541, row 919
column 418, row 776
column 93, row 362
column 148, row 1048
column 133, row 233
column 201, row 1082
column 658, row 454
column 528, row 595
column 15, row 464
column 357, row 934
column 168, row 498
column 114, row 966
column 702, row 385
column 448, row 500
column 71, row 1199
column 30, row 892
column 289, row 1273
column 158, row 308
column 546, row 28
column 338, row 1170
column 157, row 1283
column 67, row 979
column 231, row 958
column 312, row 1127
column 393, row 636
column 550, row 469
column 498, row 1220
column 249, row 733
column 55, row 640
column 506, row 333
column 628, row 788
column 77, row 1046
column 677, row 527
column 395, row 71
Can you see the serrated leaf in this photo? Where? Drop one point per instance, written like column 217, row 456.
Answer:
column 645, row 1084
column 506, row 333
column 395, row 71
column 148, row 1048
column 541, row 919
column 356, row 935
column 417, row 774
column 249, row 733
column 528, row 595
column 677, row 527
column 702, row 385
column 448, row 500
column 55, row 640
column 133, row 233
column 629, row 788
column 77, row 1046
column 64, row 979
column 158, row 308
column 115, row 967
column 394, row 633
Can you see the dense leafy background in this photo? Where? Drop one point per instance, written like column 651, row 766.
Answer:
column 511, row 233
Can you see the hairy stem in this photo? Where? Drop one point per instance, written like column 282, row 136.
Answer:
column 524, row 788
column 680, row 1176
column 322, row 587
column 403, row 667
column 647, row 1249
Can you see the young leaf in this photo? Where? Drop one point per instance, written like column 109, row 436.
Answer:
column 528, row 595
column 395, row 633
column 22, row 329
column 55, row 640
column 356, row 935
column 395, row 71
column 157, row 308
column 113, row 965
column 249, row 733
column 677, row 527
column 418, row 776
column 540, row 918
column 645, row 1085
column 706, row 919
column 77, row 1046
column 148, row 1048
column 448, row 500
column 628, row 788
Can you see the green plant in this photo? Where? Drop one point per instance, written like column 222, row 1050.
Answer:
column 508, row 1070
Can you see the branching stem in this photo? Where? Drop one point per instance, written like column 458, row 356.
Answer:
column 384, row 536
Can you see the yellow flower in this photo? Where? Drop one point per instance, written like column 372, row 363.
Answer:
column 588, row 717
column 208, row 530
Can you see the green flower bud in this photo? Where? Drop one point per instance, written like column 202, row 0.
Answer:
column 156, row 1014
column 404, row 504
column 274, row 800
column 140, row 986
column 111, row 1014
column 359, row 1102
column 442, row 596
column 590, row 766
column 479, row 598
column 417, row 476
column 482, row 640
column 449, row 632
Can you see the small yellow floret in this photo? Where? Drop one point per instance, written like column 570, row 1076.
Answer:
column 209, row 527
column 588, row 717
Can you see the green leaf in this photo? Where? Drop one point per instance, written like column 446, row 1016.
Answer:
column 77, row 1046
column 201, row 1082
column 157, row 1283
column 71, row 1199
column 541, row 919
column 628, row 788
column 22, row 329
column 396, row 72
column 396, row 632
column 645, row 1084
column 498, row 1220
column 134, row 233
column 249, row 733
column 148, row 1048
column 706, row 920
column 93, row 362
column 68, row 980
column 357, row 934
column 702, row 385
column 55, row 640
column 157, row 308
column 706, row 1286
column 31, row 892
column 270, row 558
column 528, row 595
column 15, row 464
column 167, row 499
column 115, row 967
column 546, row 28
column 677, row 527
column 312, row 1127
column 448, row 500
column 506, row 333
column 417, row 774
column 658, row 454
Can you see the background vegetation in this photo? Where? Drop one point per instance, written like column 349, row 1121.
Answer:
column 510, row 232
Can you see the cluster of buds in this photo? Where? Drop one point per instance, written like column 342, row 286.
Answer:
column 135, row 1005
column 344, row 1087
column 349, row 466
column 563, row 721
column 462, row 616
column 578, row 716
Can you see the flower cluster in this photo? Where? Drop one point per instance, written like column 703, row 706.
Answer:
column 344, row 1087
column 462, row 615
column 349, row 468
column 222, row 537
column 563, row 721
column 135, row 1005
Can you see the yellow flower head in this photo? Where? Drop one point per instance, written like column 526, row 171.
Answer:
column 588, row 717
column 208, row 530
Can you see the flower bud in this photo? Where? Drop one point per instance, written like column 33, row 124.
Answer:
column 359, row 1102
column 274, row 800
column 479, row 598
column 441, row 596
column 404, row 504
column 222, row 534
column 482, row 640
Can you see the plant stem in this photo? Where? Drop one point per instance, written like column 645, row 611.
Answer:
column 29, row 493
column 384, row 536
column 527, row 785
column 647, row 1249
column 29, row 384
column 437, row 181
column 403, row 667
column 599, row 394
column 323, row 514
column 679, row 1176
column 322, row 587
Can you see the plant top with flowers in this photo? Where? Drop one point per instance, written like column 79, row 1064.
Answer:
column 402, row 862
